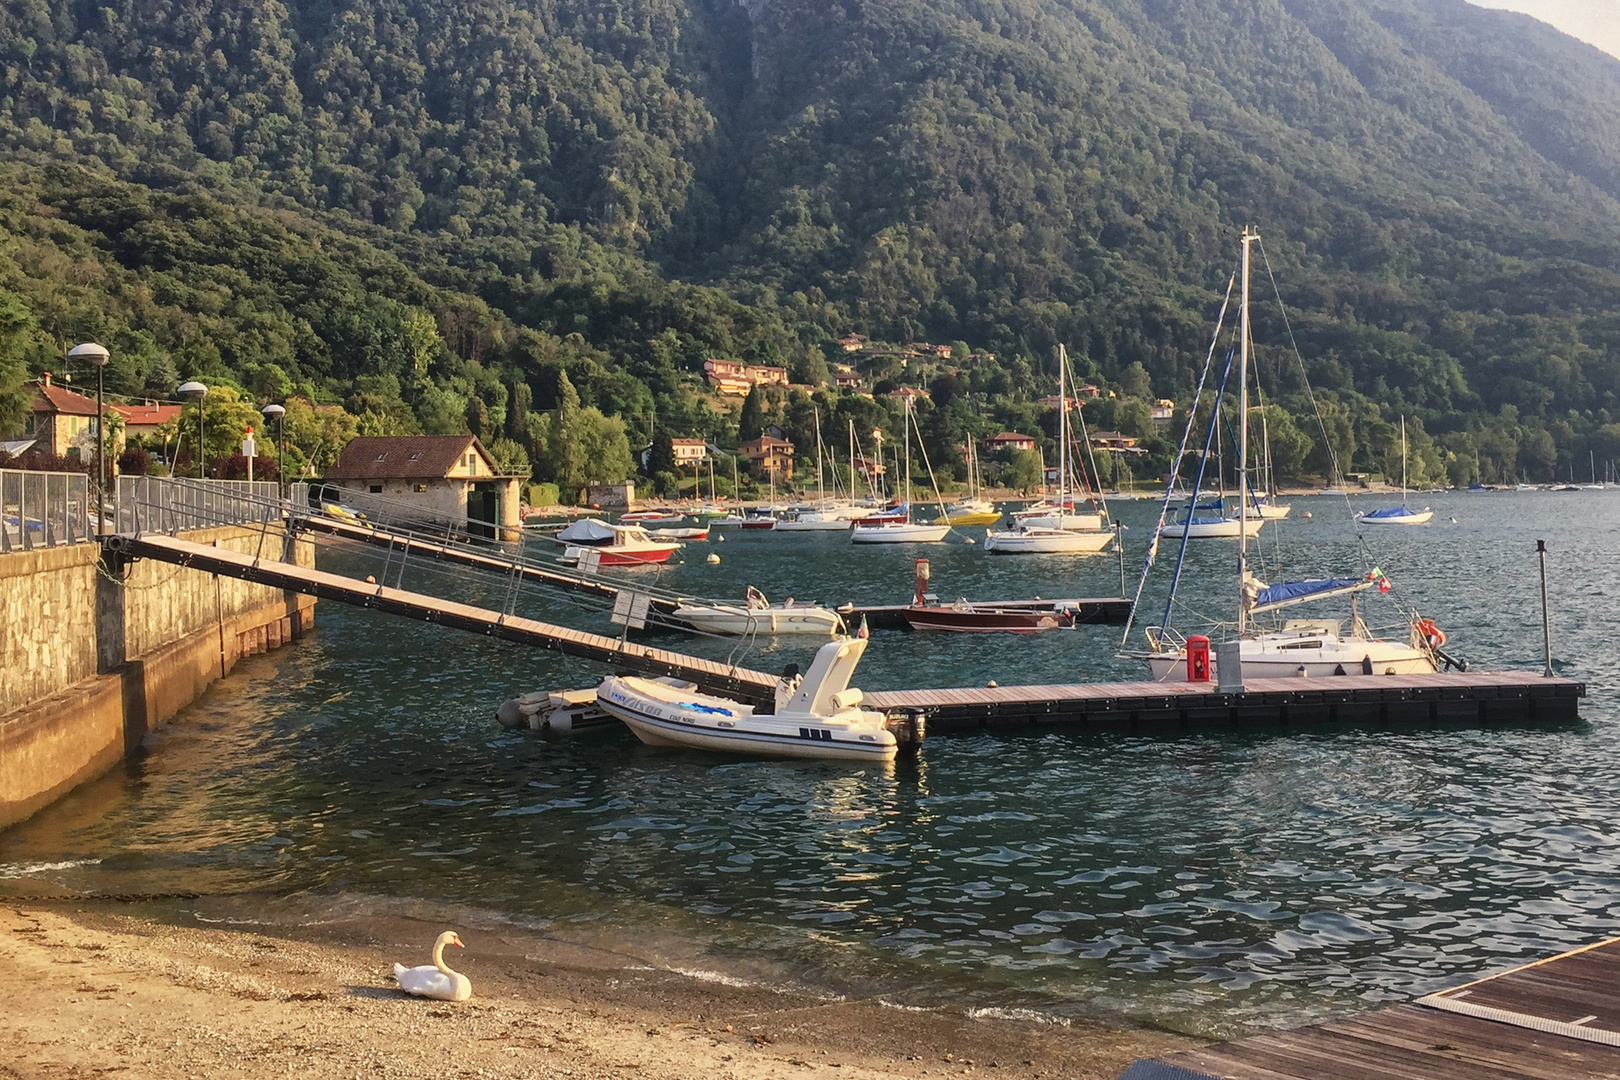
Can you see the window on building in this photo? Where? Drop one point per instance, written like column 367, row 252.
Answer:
column 376, row 489
column 382, row 455
column 421, row 487
column 416, row 457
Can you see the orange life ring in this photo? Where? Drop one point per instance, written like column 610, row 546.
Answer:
column 1430, row 633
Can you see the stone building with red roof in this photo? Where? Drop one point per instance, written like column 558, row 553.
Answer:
column 447, row 476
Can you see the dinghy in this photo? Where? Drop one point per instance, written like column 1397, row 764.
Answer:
column 758, row 616
column 818, row 716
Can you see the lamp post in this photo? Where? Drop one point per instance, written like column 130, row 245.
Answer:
column 279, row 415
column 199, row 391
column 95, row 354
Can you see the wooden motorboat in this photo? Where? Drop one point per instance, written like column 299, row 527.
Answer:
column 818, row 716
column 963, row 617
column 652, row 517
column 699, row 533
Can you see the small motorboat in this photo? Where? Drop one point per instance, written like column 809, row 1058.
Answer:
column 652, row 517
column 758, row 615
column 963, row 617
column 1396, row 515
column 613, row 545
column 699, row 533
column 817, row 716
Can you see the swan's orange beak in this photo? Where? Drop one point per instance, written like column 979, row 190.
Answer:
column 456, row 941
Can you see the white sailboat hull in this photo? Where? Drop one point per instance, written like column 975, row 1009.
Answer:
column 1274, row 511
column 898, row 533
column 1046, row 542
column 1288, row 655
column 1212, row 530
column 1419, row 518
column 813, row 523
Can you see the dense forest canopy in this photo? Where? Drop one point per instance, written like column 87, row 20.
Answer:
column 534, row 219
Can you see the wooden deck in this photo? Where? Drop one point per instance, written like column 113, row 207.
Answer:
column 1555, row 1019
column 1472, row 697
column 735, row 682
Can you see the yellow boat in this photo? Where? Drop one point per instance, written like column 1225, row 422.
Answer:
column 976, row 517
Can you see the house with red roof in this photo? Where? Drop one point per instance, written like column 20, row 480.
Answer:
column 447, row 477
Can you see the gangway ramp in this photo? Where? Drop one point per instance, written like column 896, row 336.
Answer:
column 408, row 544
column 742, row 684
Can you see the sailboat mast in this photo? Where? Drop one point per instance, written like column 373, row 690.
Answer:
column 905, row 437
column 1403, row 461
column 1063, row 437
column 821, row 491
column 1243, row 436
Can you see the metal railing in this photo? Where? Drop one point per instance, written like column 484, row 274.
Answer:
column 169, row 504
column 43, row 509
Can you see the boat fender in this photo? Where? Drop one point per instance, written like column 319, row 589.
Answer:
column 1366, row 664
column 510, row 714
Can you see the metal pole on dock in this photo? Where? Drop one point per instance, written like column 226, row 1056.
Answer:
column 1119, row 546
column 1546, row 624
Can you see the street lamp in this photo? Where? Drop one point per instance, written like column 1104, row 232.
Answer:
column 95, row 354
column 199, row 391
column 279, row 415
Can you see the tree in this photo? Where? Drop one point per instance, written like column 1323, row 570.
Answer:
column 751, row 421
column 1024, row 471
column 1135, row 383
column 661, row 457
column 478, row 419
column 16, row 389
column 510, row 457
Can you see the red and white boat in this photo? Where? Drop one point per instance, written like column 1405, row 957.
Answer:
column 591, row 540
column 652, row 517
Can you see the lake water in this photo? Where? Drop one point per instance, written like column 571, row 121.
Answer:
column 1211, row 883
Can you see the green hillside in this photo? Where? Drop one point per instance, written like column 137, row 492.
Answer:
column 436, row 215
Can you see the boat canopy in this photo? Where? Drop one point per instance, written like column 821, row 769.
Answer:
column 587, row 531
column 1288, row 593
column 1389, row 512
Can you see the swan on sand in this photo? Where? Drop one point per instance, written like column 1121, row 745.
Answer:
column 436, row 980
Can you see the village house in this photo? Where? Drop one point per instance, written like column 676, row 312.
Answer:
column 909, row 393
column 732, row 377
column 445, row 477
column 1164, row 412
column 689, row 451
column 847, row 380
column 925, row 349
column 145, row 418
column 768, row 455
column 1009, row 440
column 852, row 342
column 63, row 423
column 1112, row 440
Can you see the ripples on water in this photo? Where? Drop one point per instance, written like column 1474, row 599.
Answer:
column 1209, row 882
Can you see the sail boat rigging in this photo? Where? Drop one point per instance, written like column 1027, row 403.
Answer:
column 1054, row 529
column 1296, row 646
column 1399, row 515
column 904, row 531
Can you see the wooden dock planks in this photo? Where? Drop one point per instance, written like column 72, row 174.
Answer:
column 1543, row 1028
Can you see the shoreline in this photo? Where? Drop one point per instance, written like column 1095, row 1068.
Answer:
column 92, row 987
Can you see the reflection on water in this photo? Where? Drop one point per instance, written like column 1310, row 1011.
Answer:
column 1209, row 881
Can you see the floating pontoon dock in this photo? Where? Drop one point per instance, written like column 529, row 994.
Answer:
column 1555, row 1018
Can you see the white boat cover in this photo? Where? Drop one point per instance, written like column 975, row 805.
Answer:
column 587, row 531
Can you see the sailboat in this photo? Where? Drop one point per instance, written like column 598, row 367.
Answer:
column 904, row 531
column 1399, row 515
column 974, row 509
column 1298, row 647
column 821, row 516
column 1054, row 530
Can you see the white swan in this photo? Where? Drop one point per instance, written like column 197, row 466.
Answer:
column 436, row 980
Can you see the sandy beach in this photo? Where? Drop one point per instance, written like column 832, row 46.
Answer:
column 96, row 992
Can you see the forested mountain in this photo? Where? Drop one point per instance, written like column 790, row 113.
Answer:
column 279, row 192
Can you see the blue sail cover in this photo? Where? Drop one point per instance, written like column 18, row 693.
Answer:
column 1389, row 512
column 1288, row 593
